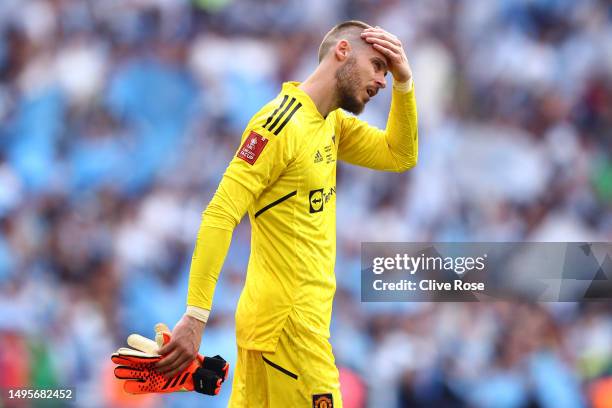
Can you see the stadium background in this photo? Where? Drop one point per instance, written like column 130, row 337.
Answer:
column 119, row 117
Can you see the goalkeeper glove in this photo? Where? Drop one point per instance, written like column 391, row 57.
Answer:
column 136, row 366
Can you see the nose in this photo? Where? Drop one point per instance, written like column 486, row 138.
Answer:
column 381, row 82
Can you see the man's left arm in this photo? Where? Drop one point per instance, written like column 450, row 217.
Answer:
column 395, row 148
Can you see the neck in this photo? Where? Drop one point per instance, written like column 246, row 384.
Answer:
column 320, row 86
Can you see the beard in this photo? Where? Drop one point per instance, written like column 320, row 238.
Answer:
column 348, row 85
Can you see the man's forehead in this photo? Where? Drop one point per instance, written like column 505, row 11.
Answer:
column 372, row 53
column 364, row 49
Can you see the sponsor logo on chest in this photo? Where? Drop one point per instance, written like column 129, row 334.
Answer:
column 319, row 197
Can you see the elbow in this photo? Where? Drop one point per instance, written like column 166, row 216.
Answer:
column 406, row 158
column 217, row 217
column 406, row 163
column 406, row 166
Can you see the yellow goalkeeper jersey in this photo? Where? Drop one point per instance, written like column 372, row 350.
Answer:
column 284, row 176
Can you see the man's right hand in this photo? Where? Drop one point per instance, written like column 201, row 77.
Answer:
column 182, row 348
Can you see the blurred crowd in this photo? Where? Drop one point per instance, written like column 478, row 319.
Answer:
column 118, row 118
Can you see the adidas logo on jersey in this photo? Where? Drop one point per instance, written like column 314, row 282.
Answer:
column 318, row 157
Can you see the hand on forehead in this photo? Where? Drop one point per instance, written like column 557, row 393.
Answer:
column 390, row 47
column 383, row 38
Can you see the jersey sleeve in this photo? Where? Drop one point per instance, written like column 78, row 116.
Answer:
column 261, row 158
column 393, row 149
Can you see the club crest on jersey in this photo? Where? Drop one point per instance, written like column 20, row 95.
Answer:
column 322, row 401
column 252, row 147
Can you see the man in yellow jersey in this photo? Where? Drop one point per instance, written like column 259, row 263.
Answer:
column 284, row 177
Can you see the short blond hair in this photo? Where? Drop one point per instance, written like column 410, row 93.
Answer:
column 350, row 30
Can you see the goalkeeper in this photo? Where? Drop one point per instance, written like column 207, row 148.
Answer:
column 284, row 177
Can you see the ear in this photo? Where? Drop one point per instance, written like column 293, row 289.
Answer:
column 342, row 50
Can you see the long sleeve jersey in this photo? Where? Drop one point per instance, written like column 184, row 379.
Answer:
column 284, row 176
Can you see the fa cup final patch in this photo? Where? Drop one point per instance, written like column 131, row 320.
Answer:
column 322, row 401
column 252, row 147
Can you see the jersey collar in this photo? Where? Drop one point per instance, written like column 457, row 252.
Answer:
column 292, row 89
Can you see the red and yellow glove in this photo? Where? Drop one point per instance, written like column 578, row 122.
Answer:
column 136, row 366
